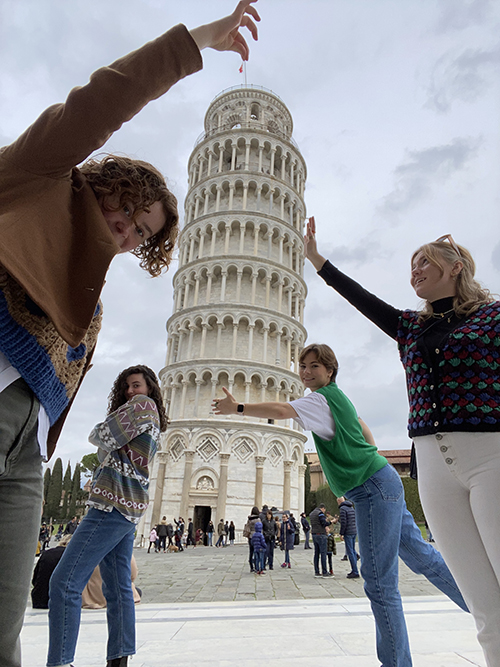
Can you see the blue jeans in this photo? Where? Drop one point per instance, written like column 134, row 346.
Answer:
column 350, row 549
column 422, row 558
column 209, row 539
column 379, row 514
column 307, row 545
column 269, row 558
column 319, row 542
column 258, row 558
column 104, row 538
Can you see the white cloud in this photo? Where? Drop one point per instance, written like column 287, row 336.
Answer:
column 424, row 170
column 463, row 77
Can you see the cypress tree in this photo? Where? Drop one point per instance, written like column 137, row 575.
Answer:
column 75, row 488
column 55, row 492
column 67, row 484
column 46, row 485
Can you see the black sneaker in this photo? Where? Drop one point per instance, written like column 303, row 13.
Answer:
column 353, row 575
column 327, row 574
column 317, row 574
column 344, row 558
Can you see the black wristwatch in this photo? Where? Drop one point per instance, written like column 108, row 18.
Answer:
column 241, row 408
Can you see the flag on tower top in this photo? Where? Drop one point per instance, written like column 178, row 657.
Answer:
column 241, row 69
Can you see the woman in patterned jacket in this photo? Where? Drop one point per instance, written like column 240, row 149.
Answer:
column 127, row 440
column 450, row 351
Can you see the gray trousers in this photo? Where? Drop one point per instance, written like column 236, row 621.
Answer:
column 21, row 492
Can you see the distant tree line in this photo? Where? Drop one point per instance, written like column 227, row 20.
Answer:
column 62, row 495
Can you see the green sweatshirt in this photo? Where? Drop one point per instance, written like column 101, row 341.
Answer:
column 347, row 460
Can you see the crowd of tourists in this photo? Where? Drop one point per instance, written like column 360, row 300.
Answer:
column 174, row 536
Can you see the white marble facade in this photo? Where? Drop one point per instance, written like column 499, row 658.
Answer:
column 237, row 319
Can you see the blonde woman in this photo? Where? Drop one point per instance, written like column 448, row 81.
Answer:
column 450, row 351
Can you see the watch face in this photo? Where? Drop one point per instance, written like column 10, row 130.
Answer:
column 240, row 407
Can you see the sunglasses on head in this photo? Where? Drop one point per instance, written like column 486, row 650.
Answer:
column 449, row 238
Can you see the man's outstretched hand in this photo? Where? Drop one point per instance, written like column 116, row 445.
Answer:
column 224, row 34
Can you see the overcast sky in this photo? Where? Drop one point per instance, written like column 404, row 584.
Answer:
column 396, row 112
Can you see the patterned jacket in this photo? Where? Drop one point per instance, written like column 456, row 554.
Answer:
column 462, row 391
column 128, row 438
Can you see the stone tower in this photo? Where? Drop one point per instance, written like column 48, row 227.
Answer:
column 237, row 318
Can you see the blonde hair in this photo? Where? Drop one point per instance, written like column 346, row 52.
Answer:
column 469, row 293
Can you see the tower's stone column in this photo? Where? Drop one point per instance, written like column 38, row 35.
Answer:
column 221, row 504
column 186, row 483
column 259, row 476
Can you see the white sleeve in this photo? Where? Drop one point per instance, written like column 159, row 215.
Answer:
column 313, row 414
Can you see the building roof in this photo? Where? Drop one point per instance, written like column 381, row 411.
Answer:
column 401, row 456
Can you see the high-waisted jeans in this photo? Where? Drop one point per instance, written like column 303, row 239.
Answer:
column 387, row 530
column 105, row 539
column 459, row 485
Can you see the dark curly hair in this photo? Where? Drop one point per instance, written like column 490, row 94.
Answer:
column 138, row 183
column 117, row 396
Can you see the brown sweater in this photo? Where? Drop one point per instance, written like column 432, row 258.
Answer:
column 55, row 245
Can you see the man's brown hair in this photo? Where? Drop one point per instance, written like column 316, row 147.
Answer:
column 140, row 185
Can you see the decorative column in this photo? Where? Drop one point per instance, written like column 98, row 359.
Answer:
column 287, row 469
column 186, row 482
column 302, row 488
column 221, row 502
column 158, row 491
column 259, row 477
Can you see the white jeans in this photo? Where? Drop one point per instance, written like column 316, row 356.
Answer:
column 459, row 485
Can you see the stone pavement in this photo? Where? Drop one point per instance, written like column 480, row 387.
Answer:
column 207, row 574
column 203, row 607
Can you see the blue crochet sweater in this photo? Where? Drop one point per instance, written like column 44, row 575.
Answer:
column 51, row 368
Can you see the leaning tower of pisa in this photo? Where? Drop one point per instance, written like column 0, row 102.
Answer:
column 237, row 318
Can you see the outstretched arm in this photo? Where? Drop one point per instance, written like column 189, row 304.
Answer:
column 225, row 35
column 271, row 410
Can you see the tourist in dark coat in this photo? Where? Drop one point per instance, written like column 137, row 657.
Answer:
column 287, row 539
column 170, row 534
column 161, row 531
column 259, row 548
column 306, row 527
column 190, row 536
column 248, row 531
column 269, row 530
column 210, row 533
column 43, row 570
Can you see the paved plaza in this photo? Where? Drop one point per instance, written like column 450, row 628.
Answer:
column 203, row 607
